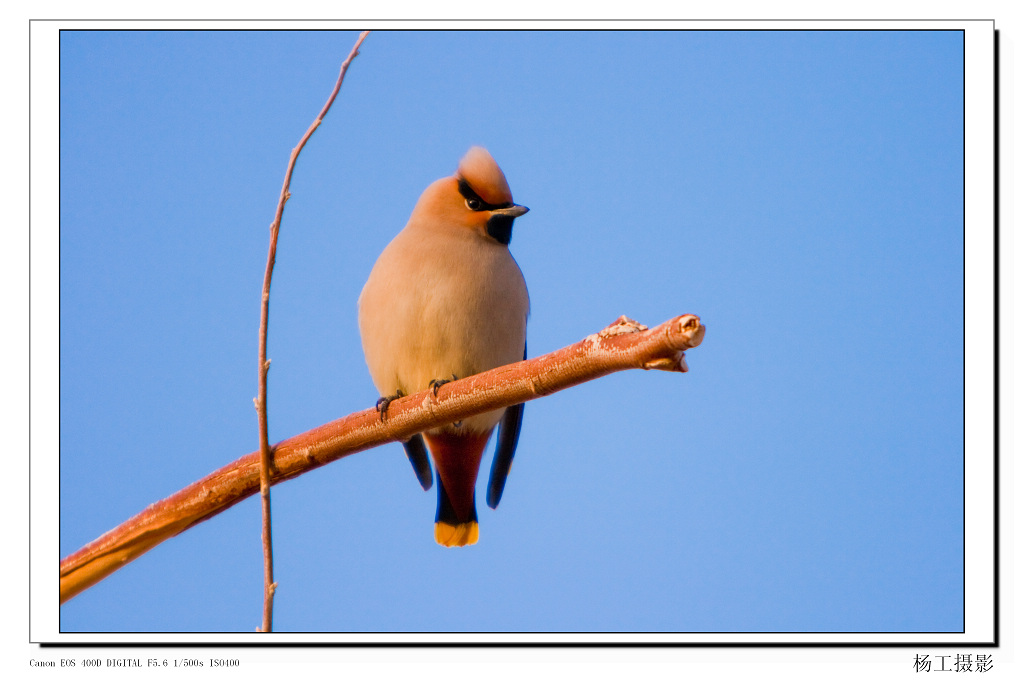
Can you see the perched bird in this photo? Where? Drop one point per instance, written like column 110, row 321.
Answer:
column 446, row 300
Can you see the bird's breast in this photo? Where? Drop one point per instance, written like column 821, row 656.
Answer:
column 433, row 308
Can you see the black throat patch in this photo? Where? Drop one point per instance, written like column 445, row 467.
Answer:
column 499, row 227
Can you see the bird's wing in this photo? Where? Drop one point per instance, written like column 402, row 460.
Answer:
column 508, row 438
column 417, row 452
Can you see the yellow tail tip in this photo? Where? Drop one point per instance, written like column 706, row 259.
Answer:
column 450, row 535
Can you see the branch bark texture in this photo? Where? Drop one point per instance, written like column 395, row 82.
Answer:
column 623, row 345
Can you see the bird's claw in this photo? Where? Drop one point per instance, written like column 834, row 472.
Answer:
column 436, row 384
column 384, row 401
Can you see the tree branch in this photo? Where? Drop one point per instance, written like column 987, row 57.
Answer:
column 623, row 345
column 266, row 458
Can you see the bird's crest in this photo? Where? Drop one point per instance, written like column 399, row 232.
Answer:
column 479, row 169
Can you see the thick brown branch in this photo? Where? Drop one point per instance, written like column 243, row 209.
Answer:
column 266, row 457
column 621, row 346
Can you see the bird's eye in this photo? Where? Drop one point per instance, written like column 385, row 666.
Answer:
column 473, row 203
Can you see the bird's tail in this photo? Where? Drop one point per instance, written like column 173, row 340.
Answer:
column 457, row 458
column 449, row 529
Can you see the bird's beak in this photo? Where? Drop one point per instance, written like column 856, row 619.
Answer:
column 514, row 211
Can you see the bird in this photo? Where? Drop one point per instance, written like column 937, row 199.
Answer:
column 446, row 300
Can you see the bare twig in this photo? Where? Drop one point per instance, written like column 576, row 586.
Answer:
column 621, row 346
column 266, row 459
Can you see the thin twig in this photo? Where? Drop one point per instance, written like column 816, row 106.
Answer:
column 621, row 346
column 266, row 459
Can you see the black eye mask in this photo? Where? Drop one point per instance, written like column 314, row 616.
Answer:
column 499, row 226
column 478, row 204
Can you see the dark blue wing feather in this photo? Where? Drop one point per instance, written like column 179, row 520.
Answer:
column 508, row 437
column 416, row 451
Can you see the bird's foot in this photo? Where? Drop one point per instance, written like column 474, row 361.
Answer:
column 384, row 401
column 436, row 384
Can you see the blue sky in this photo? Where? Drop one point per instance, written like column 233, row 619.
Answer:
column 801, row 191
